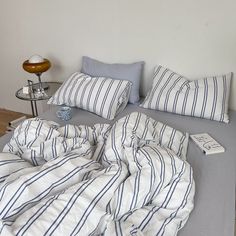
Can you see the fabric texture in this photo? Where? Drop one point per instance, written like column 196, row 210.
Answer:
column 37, row 149
column 131, row 72
column 205, row 98
column 117, row 180
column 219, row 168
column 10, row 163
column 102, row 96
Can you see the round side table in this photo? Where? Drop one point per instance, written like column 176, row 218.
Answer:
column 33, row 96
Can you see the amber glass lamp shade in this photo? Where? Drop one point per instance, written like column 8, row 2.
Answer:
column 37, row 68
column 37, row 65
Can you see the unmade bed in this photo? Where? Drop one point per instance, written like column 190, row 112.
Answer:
column 214, row 175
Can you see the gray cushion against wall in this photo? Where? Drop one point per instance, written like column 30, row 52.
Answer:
column 131, row 72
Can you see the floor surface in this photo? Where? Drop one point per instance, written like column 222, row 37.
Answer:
column 6, row 116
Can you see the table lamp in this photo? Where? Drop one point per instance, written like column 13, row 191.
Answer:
column 37, row 65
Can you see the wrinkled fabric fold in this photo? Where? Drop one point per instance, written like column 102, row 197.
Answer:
column 127, row 179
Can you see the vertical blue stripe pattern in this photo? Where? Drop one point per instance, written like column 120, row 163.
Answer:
column 126, row 179
column 205, row 98
column 103, row 96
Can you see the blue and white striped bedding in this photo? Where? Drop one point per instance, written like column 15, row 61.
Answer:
column 205, row 98
column 105, row 97
column 125, row 179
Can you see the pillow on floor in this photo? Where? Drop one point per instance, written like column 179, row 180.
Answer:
column 103, row 96
column 205, row 98
column 131, row 72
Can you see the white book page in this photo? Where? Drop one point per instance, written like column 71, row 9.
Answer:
column 207, row 144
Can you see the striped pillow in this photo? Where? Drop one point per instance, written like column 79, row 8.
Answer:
column 103, row 96
column 205, row 98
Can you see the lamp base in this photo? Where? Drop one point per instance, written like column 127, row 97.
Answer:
column 36, row 87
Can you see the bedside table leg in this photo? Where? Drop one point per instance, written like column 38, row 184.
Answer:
column 34, row 108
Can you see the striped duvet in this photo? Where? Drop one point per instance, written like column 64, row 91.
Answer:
column 125, row 179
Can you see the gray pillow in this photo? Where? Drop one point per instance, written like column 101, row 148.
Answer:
column 131, row 72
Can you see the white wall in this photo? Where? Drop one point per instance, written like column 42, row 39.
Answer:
column 194, row 38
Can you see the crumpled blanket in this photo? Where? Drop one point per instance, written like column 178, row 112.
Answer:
column 127, row 179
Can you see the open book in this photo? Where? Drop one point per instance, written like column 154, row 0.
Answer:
column 207, row 144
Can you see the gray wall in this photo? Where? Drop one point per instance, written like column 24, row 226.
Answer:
column 194, row 38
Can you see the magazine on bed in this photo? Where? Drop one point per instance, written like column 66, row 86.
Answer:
column 207, row 144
